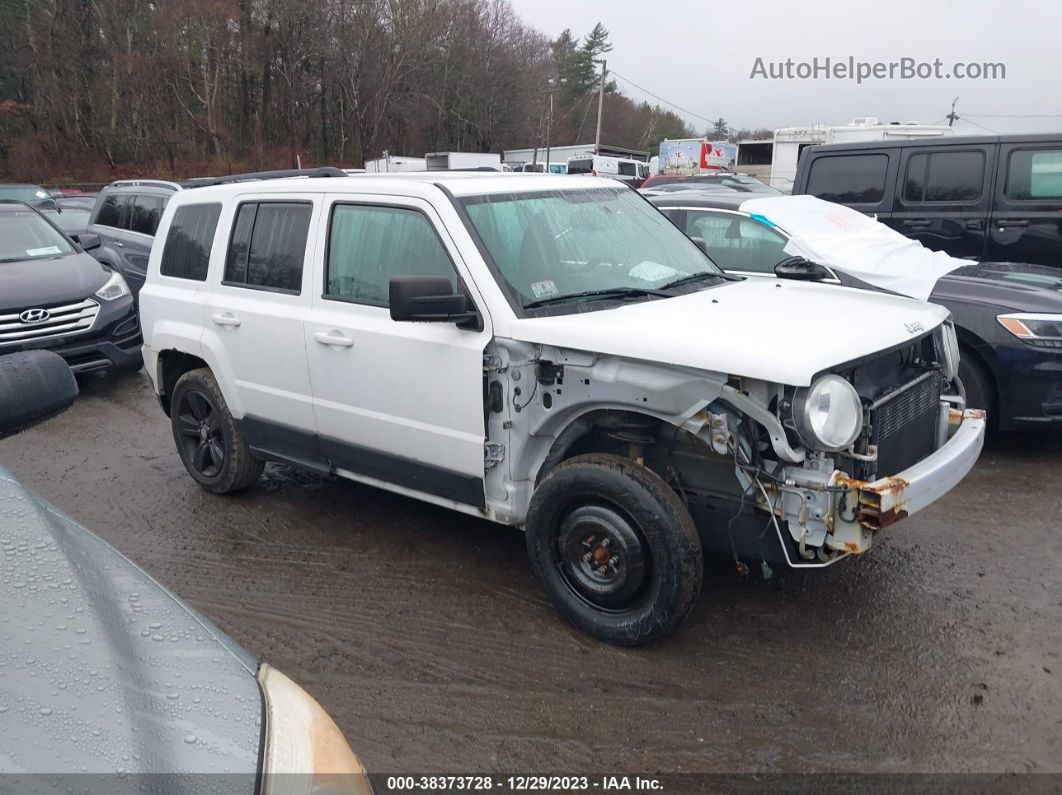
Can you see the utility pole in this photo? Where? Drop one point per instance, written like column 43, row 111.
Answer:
column 549, row 119
column 953, row 116
column 600, row 104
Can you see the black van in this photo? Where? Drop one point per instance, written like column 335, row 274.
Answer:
column 992, row 198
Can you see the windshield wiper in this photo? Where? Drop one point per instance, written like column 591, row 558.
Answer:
column 608, row 292
column 693, row 277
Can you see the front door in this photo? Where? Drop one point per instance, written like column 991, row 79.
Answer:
column 1026, row 224
column 399, row 404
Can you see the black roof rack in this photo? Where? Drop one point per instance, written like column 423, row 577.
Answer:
column 323, row 171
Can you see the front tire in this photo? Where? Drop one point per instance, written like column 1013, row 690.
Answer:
column 977, row 382
column 615, row 549
column 210, row 444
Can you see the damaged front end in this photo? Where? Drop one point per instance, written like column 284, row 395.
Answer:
column 915, row 441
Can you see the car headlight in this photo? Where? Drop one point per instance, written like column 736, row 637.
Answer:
column 305, row 752
column 828, row 414
column 1043, row 331
column 115, row 287
column 951, row 351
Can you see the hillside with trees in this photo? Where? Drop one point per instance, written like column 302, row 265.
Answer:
column 95, row 89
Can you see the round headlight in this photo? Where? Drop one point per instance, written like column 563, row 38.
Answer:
column 828, row 414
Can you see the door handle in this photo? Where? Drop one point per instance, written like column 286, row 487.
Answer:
column 226, row 319
column 918, row 223
column 336, row 340
column 119, row 243
column 974, row 224
column 1006, row 223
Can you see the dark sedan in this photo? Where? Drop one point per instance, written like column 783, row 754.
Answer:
column 1008, row 316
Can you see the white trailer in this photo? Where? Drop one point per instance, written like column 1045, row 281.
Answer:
column 389, row 164
column 789, row 142
column 462, row 161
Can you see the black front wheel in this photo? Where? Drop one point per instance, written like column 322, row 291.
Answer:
column 615, row 549
column 210, row 444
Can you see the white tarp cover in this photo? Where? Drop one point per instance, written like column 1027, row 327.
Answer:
column 845, row 240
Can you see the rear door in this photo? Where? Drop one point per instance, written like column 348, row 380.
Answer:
column 255, row 312
column 397, row 403
column 140, row 221
column 1026, row 222
column 943, row 195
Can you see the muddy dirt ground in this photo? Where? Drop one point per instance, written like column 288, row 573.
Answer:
column 424, row 635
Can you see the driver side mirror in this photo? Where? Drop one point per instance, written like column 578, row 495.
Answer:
column 429, row 299
column 87, row 241
column 801, row 269
column 34, row 385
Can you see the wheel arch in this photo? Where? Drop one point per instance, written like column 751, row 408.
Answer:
column 170, row 366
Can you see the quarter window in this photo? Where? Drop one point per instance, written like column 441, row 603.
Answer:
column 368, row 245
column 1035, row 174
column 187, row 251
column 944, row 177
column 849, row 179
column 268, row 246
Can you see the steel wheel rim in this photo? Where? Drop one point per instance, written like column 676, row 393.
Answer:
column 199, row 433
column 602, row 557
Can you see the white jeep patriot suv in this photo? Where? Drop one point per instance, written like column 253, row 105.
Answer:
column 550, row 353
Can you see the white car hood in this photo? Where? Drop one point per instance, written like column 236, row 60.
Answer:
column 780, row 331
column 848, row 241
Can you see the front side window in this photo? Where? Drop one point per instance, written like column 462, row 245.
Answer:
column 368, row 245
column 187, row 250
column 110, row 213
column 1035, row 174
column 849, row 179
column 557, row 244
column 268, row 246
column 24, row 235
column 737, row 243
column 944, row 177
column 628, row 169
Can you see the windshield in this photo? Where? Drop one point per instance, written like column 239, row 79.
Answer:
column 31, row 194
column 549, row 245
column 25, row 235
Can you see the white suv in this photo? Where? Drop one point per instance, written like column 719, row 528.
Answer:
column 553, row 355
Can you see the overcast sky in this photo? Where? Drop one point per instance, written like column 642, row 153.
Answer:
column 699, row 55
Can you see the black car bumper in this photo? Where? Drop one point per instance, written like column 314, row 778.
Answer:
column 1031, row 392
column 113, row 341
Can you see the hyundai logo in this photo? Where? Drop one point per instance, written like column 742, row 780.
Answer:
column 35, row 316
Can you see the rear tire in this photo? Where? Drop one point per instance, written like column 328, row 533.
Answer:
column 208, row 440
column 615, row 549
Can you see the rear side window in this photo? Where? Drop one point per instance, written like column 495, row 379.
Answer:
column 110, row 211
column 1035, row 174
column 369, row 245
column 187, row 250
column 580, row 166
column 268, row 246
column 944, row 177
column 849, row 179
column 628, row 169
column 144, row 214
